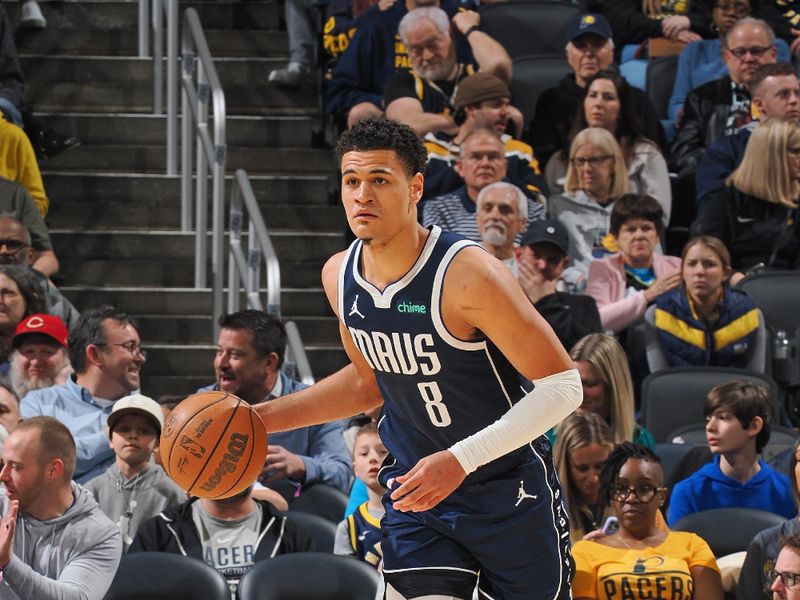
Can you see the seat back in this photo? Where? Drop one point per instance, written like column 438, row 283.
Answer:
column 674, row 398
column 728, row 530
column 309, row 576
column 529, row 27
column 321, row 530
column 322, row 500
column 775, row 293
column 533, row 74
column 660, row 80
column 166, row 576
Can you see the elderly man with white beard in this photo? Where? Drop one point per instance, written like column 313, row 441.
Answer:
column 40, row 357
column 502, row 214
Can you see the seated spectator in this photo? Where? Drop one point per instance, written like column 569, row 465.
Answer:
column 231, row 534
column 359, row 534
column 642, row 560
column 422, row 98
column 40, row 358
column 481, row 163
column 9, row 411
column 502, row 215
column 134, row 489
column 55, row 541
column 16, row 203
column 694, row 322
column 606, row 103
column 541, row 260
column 583, row 445
column 17, row 251
column 18, row 163
column 738, row 420
column 106, row 353
column 785, row 584
column 776, row 95
column 782, row 17
column 19, row 298
column 607, row 387
column 624, row 284
column 596, row 177
column 481, row 102
column 756, row 214
column 754, row 579
column 589, row 49
column 722, row 106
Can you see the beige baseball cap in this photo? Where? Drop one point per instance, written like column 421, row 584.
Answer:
column 136, row 404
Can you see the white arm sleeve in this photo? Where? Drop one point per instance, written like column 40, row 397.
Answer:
column 553, row 399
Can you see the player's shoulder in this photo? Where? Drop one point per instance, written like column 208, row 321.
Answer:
column 330, row 274
column 473, row 268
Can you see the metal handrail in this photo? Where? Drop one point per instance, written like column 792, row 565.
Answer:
column 196, row 62
column 259, row 246
column 170, row 7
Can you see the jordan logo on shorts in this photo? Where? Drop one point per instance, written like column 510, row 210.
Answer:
column 354, row 309
column 521, row 494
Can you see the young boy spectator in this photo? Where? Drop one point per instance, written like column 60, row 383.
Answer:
column 359, row 534
column 738, row 418
column 134, row 489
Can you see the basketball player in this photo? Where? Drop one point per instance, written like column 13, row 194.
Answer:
column 437, row 329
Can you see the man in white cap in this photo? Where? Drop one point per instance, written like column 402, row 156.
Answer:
column 40, row 357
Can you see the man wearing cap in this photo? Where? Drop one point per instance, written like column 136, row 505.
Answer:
column 482, row 100
column 481, row 162
column 541, row 259
column 589, row 49
column 134, row 489
column 422, row 98
column 106, row 353
column 40, row 357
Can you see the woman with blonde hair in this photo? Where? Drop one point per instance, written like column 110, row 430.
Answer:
column 607, row 386
column 596, row 176
column 584, row 443
column 755, row 216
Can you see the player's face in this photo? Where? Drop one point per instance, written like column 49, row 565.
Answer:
column 703, row 273
column 22, row 474
column 637, row 510
column 587, row 55
column 779, row 97
column 491, row 114
column 368, row 454
column 637, row 239
column 585, row 465
column 483, row 161
column 379, row 198
column 595, row 392
column 239, row 368
column 430, row 51
column 788, row 563
column 724, row 432
column 121, row 356
column 133, row 439
column 9, row 410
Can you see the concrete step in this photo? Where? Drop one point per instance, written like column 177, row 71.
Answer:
column 174, row 385
column 140, row 129
column 152, row 159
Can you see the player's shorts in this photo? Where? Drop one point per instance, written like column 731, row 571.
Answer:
column 509, row 532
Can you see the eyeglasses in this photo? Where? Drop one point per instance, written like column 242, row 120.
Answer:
column 755, row 51
column 593, row 161
column 479, row 156
column 13, row 246
column 737, row 8
column 788, row 578
column 644, row 492
column 131, row 347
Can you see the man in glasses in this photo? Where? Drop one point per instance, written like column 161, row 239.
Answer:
column 17, row 203
column 786, row 576
column 106, row 353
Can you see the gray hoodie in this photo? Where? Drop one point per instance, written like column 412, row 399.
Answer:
column 72, row 556
column 131, row 502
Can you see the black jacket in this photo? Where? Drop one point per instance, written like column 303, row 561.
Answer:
column 705, row 114
column 631, row 26
column 571, row 316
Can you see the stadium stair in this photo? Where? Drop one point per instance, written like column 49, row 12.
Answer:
column 115, row 217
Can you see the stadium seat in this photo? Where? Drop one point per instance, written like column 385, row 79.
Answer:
column 780, row 439
column 529, row 27
column 321, row 500
column 728, row 530
column 661, row 73
column 533, row 74
column 310, row 576
column 322, row 531
column 166, row 576
column 673, row 398
column 671, row 455
column 775, row 293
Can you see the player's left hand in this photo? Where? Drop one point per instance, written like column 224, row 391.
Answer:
column 282, row 464
column 431, row 480
column 7, row 528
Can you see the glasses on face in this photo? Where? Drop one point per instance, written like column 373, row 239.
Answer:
column 13, row 246
column 788, row 578
column 754, row 51
column 644, row 492
column 479, row 156
column 737, row 8
column 592, row 161
column 131, row 348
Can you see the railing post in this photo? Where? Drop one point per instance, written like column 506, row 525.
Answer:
column 187, row 201
column 144, row 25
column 158, row 58
column 172, row 87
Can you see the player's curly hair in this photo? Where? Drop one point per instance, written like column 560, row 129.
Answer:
column 618, row 457
column 385, row 134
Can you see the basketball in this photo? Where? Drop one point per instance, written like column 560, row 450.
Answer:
column 213, row 445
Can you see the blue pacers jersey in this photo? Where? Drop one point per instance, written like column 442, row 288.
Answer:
column 437, row 389
column 364, row 533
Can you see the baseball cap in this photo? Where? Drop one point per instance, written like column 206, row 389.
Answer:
column 48, row 325
column 588, row 23
column 136, row 404
column 549, row 231
column 479, row 87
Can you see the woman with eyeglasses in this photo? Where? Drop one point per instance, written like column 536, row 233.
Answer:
column 20, row 296
column 756, row 214
column 642, row 560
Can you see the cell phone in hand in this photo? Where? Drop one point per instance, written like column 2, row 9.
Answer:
column 611, row 526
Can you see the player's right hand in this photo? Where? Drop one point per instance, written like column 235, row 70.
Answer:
column 429, row 482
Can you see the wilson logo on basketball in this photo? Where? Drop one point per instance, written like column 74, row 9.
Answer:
column 236, row 448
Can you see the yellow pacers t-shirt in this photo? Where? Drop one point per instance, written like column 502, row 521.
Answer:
column 608, row 573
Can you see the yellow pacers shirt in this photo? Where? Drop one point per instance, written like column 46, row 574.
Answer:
column 607, row 573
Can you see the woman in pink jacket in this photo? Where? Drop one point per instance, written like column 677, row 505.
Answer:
column 624, row 284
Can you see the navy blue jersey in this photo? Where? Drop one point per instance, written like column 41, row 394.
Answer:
column 364, row 533
column 437, row 389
